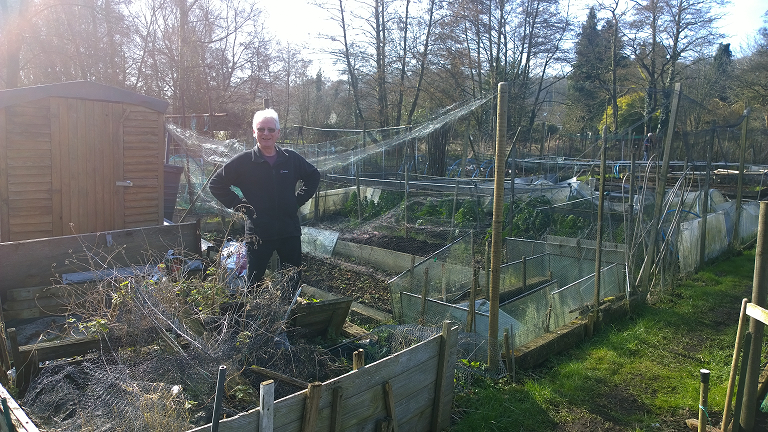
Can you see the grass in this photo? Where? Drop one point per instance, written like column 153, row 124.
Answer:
column 641, row 374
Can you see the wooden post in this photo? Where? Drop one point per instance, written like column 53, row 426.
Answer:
column 756, row 328
column 599, row 239
column 218, row 398
column 267, row 406
column 441, row 411
column 513, row 168
column 488, row 269
column 471, row 305
column 444, row 282
column 727, row 413
column 358, row 359
column 389, row 401
column 650, row 256
column 335, row 410
column 525, row 274
column 18, row 362
column 740, row 181
column 506, row 351
column 455, row 199
column 629, row 230
column 405, row 203
column 703, row 400
column 737, row 413
column 359, row 198
column 705, row 202
column 496, row 232
column 512, row 349
column 311, row 406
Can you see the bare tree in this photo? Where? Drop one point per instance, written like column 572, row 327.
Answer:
column 664, row 32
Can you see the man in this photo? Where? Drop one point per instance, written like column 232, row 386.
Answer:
column 267, row 176
column 647, row 146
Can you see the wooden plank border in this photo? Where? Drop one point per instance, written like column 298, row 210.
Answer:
column 415, row 395
column 32, row 263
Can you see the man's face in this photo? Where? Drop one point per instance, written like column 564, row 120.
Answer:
column 266, row 134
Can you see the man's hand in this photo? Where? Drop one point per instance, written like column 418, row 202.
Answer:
column 245, row 209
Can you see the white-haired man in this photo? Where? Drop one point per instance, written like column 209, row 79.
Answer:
column 267, row 176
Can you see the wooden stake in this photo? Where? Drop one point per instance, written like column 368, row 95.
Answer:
column 734, row 364
column 335, row 410
column 496, row 226
column 737, row 414
column 358, row 359
column 506, row 351
column 311, row 405
column 424, row 293
column 512, row 349
column 599, row 236
column 267, row 405
column 389, row 399
column 756, row 328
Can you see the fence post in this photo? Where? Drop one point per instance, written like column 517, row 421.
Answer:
column 705, row 202
column 267, row 405
column 496, row 234
column 441, row 410
column 471, row 306
column 740, row 181
column 756, row 328
column 599, row 239
column 525, row 274
column 629, row 234
column 359, row 198
column 405, row 203
column 424, row 293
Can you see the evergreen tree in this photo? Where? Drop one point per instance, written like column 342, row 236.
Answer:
column 588, row 84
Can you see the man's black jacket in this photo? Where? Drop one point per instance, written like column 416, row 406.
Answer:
column 270, row 198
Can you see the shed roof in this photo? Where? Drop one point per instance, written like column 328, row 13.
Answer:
column 80, row 90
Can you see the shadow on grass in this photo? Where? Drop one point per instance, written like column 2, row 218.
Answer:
column 501, row 407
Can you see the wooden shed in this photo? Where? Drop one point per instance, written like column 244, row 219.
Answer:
column 79, row 157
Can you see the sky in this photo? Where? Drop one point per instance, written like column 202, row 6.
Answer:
column 297, row 21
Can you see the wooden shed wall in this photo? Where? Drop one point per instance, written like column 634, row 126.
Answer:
column 61, row 160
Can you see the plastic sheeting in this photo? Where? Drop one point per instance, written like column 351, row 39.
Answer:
column 689, row 240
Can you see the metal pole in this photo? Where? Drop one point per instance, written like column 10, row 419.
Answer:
column 756, row 328
column 498, row 220
column 703, row 400
column 218, row 398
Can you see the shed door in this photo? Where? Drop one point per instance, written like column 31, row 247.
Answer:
column 110, row 165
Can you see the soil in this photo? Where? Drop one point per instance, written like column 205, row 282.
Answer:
column 364, row 285
column 413, row 246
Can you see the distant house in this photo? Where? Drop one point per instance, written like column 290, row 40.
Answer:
column 79, row 157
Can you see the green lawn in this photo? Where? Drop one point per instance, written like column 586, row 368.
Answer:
column 641, row 374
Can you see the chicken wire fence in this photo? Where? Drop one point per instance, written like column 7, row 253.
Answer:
column 537, row 294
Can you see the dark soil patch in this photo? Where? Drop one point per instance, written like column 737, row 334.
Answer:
column 410, row 245
column 365, row 286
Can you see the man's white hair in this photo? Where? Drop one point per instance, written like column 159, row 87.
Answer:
column 266, row 113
